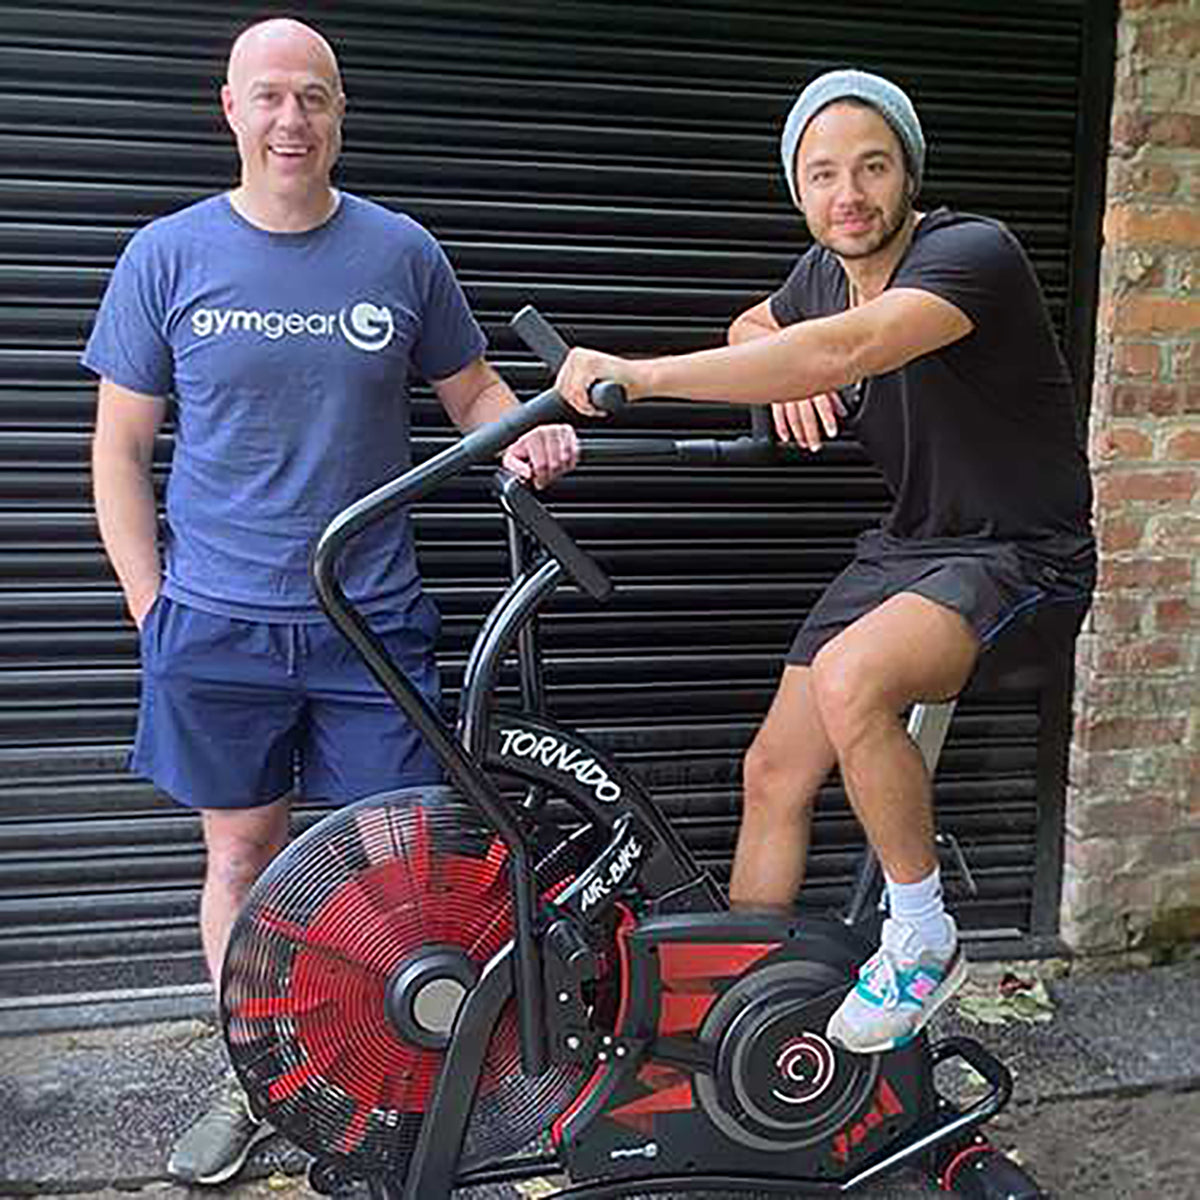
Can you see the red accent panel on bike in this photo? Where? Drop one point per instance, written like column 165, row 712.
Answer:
column 682, row 1013
column 666, row 1097
column 683, row 965
column 626, row 924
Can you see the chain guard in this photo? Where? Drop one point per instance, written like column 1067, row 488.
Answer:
column 779, row 1084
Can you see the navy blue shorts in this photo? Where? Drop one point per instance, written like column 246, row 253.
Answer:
column 992, row 585
column 236, row 714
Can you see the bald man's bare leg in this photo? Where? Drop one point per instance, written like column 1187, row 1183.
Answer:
column 240, row 843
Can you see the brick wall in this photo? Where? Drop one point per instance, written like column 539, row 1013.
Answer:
column 1132, row 870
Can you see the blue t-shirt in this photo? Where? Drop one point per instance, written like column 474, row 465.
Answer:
column 287, row 356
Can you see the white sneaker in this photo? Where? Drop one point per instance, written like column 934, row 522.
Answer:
column 899, row 988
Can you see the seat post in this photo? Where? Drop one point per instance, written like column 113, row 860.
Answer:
column 927, row 726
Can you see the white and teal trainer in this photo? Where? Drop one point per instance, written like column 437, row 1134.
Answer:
column 899, row 988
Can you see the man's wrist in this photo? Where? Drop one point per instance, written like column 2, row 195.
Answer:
column 650, row 379
column 141, row 602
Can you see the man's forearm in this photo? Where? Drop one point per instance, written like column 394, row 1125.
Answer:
column 125, row 511
column 489, row 404
column 757, row 367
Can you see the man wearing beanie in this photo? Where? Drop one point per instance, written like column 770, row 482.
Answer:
column 926, row 333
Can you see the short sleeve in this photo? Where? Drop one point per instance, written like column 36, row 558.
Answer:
column 975, row 264
column 450, row 337
column 786, row 305
column 128, row 343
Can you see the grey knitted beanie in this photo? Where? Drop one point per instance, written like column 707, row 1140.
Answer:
column 881, row 94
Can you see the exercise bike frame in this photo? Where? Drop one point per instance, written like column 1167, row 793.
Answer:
column 547, row 955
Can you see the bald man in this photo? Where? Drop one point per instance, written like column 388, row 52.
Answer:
column 283, row 319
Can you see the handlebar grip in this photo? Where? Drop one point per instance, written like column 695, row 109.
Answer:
column 540, row 336
column 547, row 343
column 608, row 396
column 533, row 516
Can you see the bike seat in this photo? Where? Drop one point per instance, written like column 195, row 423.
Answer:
column 1031, row 651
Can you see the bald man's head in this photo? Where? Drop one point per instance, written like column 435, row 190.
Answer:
column 284, row 102
column 280, row 34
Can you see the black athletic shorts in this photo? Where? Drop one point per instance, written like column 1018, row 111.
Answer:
column 994, row 585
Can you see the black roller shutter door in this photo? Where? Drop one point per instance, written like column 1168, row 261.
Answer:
column 615, row 164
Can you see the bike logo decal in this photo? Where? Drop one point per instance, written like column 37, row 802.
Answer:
column 806, row 1066
column 557, row 755
column 624, row 860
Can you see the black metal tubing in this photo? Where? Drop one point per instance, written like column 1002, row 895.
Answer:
column 720, row 1185
column 432, row 1169
column 548, row 344
column 540, row 336
column 985, row 1064
column 706, row 452
column 868, row 886
column 478, row 446
column 762, row 427
column 522, row 506
column 508, row 619
column 529, row 651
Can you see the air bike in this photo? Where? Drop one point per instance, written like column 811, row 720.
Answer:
column 443, row 987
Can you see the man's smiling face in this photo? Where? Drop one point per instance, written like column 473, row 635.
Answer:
column 284, row 103
column 852, row 180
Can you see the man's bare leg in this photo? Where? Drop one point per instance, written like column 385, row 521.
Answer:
column 240, row 843
column 909, row 649
column 785, row 766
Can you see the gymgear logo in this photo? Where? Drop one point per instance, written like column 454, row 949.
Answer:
column 370, row 327
column 364, row 325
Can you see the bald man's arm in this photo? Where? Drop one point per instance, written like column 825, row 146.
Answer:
column 127, row 423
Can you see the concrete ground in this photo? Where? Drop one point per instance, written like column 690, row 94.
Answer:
column 1107, row 1100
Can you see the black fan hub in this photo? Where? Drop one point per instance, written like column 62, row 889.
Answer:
column 425, row 993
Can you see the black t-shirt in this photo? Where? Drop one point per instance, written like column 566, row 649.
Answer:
column 976, row 439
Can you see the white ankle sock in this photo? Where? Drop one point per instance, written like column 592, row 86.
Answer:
column 920, row 906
